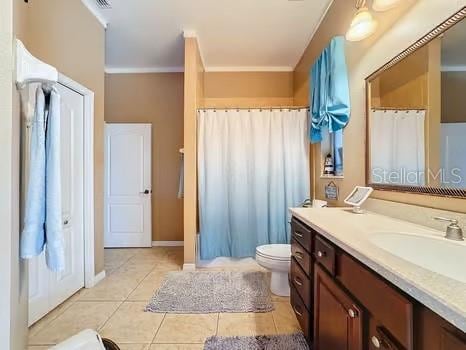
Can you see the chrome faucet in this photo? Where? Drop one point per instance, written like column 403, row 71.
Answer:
column 454, row 231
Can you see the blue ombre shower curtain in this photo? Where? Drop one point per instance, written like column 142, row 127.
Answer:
column 252, row 166
column 330, row 98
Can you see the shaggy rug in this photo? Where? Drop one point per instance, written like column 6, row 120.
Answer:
column 277, row 342
column 211, row 292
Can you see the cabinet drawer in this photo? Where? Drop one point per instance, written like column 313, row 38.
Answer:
column 302, row 314
column 302, row 234
column 302, row 257
column 301, row 283
column 391, row 313
column 324, row 254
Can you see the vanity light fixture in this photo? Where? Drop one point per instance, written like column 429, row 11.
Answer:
column 363, row 24
column 384, row 5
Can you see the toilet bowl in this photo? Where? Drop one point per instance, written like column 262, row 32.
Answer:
column 276, row 258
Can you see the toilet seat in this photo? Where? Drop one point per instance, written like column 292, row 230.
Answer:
column 276, row 252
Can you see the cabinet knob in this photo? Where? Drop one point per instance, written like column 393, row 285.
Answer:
column 352, row 313
column 376, row 342
column 320, row 254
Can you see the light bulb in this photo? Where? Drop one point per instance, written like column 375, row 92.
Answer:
column 362, row 26
column 384, row 5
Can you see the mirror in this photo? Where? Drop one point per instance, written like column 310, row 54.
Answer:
column 416, row 120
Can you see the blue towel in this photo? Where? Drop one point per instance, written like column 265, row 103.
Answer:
column 33, row 235
column 55, row 253
column 43, row 212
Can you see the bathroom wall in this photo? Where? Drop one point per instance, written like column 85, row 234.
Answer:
column 155, row 98
column 248, row 89
column 193, row 99
column 66, row 35
column 395, row 33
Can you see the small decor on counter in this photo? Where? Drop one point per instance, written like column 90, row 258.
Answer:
column 328, row 165
column 331, row 191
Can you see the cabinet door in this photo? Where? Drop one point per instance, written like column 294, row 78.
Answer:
column 338, row 320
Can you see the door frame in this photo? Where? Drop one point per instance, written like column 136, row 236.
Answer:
column 90, row 279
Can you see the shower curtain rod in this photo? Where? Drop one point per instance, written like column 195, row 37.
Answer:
column 398, row 109
column 250, row 108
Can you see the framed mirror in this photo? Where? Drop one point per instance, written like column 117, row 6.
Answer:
column 416, row 116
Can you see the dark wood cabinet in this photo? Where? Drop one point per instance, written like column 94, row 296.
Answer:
column 342, row 304
column 338, row 320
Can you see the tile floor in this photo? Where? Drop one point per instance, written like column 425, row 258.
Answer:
column 115, row 307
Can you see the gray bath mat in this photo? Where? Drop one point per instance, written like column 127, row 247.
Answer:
column 276, row 342
column 212, row 292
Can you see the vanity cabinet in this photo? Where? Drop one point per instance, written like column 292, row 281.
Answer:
column 342, row 304
column 338, row 320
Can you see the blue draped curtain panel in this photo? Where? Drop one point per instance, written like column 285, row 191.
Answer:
column 330, row 100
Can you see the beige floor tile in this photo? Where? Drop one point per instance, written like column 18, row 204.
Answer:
column 134, row 346
column 246, row 324
column 38, row 347
column 147, row 288
column 79, row 316
column 44, row 321
column 186, row 328
column 176, row 347
column 285, row 319
column 130, row 324
column 112, row 288
column 280, row 299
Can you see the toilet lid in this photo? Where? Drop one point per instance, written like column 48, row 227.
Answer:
column 275, row 251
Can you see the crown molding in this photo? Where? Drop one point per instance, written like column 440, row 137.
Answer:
column 140, row 70
column 249, row 69
column 95, row 12
column 189, row 33
column 459, row 68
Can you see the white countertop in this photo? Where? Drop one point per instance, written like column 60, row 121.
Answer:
column 351, row 232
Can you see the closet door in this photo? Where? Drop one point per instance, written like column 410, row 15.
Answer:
column 48, row 289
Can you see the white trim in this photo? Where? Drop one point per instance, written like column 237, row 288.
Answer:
column 458, row 68
column 249, row 69
column 167, row 243
column 89, row 236
column 99, row 277
column 137, row 70
column 189, row 267
column 189, row 33
column 95, row 12
column 316, row 28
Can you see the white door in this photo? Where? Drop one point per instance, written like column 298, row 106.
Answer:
column 453, row 156
column 49, row 289
column 128, row 185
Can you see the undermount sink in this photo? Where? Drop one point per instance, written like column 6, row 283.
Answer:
column 436, row 254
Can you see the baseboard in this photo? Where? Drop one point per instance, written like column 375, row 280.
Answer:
column 99, row 277
column 167, row 243
column 189, row 267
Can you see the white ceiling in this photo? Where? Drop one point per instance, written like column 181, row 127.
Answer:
column 233, row 34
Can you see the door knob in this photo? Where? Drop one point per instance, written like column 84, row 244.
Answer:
column 146, row 192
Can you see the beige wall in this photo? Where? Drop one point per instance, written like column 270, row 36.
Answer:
column 66, row 35
column 395, row 33
column 453, row 97
column 248, row 89
column 156, row 99
column 193, row 99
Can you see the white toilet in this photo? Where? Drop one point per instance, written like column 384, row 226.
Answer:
column 276, row 258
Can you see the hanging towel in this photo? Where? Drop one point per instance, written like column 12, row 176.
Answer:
column 330, row 100
column 43, row 211
column 55, row 254
column 33, row 235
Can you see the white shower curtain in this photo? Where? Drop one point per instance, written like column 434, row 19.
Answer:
column 398, row 147
column 252, row 166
